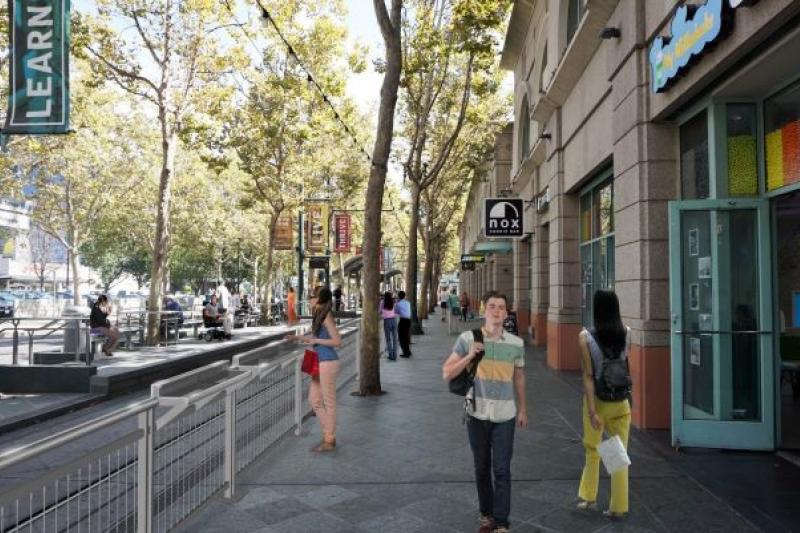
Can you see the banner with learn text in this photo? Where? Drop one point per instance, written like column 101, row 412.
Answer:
column 39, row 67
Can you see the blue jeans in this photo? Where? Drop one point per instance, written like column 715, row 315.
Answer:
column 492, row 447
column 390, row 330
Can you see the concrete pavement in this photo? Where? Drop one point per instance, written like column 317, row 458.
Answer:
column 403, row 465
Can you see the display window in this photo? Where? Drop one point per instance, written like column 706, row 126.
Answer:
column 782, row 138
column 597, row 243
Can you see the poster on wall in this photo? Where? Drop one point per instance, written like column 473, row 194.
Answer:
column 704, row 268
column 694, row 297
column 706, row 322
column 694, row 242
column 694, row 350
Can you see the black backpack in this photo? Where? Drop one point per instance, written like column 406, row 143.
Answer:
column 613, row 383
column 462, row 383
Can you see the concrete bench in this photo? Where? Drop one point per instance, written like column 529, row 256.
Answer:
column 193, row 323
column 126, row 335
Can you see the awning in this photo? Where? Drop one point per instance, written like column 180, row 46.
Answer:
column 354, row 264
column 493, row 247
column 386, row 275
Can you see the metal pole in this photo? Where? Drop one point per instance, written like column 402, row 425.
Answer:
column 300, row 246
column 144, row 472
column 298, row 397
column 88, row 343
column 15, row 345
column 358, row 353
column 30, row 347
column 230, row 443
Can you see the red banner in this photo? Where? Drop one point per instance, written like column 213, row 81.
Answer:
column 341, row 229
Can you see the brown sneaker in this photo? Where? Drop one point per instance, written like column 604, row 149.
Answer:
column 325, row 446
column 485, row 524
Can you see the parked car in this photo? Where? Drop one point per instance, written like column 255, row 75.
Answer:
column 64, row 295
column 6, row 308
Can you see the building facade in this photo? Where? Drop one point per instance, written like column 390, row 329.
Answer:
column 657, row 148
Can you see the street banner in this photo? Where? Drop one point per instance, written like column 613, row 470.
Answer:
column 317, row 238
column 341, row 232
column 38, row 99
column 284, row 233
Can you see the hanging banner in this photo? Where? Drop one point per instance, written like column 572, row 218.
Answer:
column 38, row 99
column 341, row 233
column 284, row 233
column 317, row 237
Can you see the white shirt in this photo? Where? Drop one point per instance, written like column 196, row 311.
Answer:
column 224, row 297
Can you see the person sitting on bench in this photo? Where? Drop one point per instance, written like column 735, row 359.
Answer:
column 100, row 325
column 214, row 317
column 174, row 316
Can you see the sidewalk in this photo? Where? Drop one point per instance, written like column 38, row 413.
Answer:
column 403, row 465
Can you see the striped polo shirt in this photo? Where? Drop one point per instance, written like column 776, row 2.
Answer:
column 494, row 381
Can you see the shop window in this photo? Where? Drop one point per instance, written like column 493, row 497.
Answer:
column 597, row 244
column 575, row 9
column 742, row 151
column 694, row 158
column 782, row 142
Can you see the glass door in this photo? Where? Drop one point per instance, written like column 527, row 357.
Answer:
column 721, row 324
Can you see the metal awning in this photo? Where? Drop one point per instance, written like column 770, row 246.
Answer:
column 354, row 264
column 493, row 247
column 390, row 274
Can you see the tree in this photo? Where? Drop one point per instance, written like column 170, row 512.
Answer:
column 166, row 60
column 41, row 247
column 448, row 57
column 390, row 25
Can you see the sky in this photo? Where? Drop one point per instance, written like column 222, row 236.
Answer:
column 362, row 26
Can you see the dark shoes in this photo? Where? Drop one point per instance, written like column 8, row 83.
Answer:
column 485, row 524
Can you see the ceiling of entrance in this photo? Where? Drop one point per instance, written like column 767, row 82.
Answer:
column 773, row 68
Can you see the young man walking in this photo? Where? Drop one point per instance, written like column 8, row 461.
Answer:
column 492, row 411
column 403, row 309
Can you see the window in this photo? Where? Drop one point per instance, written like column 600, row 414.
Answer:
column 742, row 152
column 694, row 158
column 524, row 130
column 575, row 9
column 597, row 244
column 782, row 142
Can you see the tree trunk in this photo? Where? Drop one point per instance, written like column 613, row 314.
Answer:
column 436, row 279
column 162, row 235
column 267, row 300
column 412, row 260
column 427, row 275
column 74, row 261
column 390, row 24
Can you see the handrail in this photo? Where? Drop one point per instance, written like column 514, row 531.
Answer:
column 17, row 455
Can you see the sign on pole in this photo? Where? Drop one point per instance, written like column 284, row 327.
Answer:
column 284, row 233
column 317, row 215
column 503, row 217
column 38, row 100
column 341, row 232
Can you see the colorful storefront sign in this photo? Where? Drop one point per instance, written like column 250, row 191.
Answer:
column 693, row 30
column 283, row 238
column 317, row 226
column 39, row 67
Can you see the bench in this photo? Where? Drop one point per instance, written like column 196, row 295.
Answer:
column 245, row 320
column 193, row 323
column 126, row 334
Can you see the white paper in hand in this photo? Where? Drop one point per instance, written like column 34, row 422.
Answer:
column 613, row 454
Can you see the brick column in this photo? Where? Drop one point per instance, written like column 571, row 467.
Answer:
column 541, row 284
column 522, row 285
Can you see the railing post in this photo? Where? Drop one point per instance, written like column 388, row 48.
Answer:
column 144, row 472
column 88, row 343
column 298, row 396
column 30, row 347
column 15, row 347
column 230, row 443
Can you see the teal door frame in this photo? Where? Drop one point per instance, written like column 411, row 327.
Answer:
column 714, row 429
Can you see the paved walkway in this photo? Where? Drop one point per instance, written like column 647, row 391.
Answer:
column 403, row 465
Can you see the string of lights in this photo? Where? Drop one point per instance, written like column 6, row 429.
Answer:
column 309, row 76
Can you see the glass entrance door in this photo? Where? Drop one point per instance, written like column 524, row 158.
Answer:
column 721, row 324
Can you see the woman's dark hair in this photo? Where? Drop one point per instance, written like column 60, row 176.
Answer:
column 608, row 327
column 291, row 289
column 324, row 304
column 388, row 301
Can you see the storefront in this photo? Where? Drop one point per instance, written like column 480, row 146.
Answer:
column 734, row 249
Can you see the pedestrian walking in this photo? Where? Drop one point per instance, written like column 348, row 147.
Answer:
column 324, row 338
column 338, row 294
column 291, row 304
column 453, row 303
column 443, row 295
column 389, row 316
column 403, row 309
column 606, row 399
column 464, row 303
column 495, row 407
column 99, row 324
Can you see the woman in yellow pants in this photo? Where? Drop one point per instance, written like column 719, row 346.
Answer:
column 614, row 417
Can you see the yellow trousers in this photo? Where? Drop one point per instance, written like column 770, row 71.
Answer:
column 616, row 419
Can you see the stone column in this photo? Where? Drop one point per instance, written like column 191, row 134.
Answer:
column 522, row 286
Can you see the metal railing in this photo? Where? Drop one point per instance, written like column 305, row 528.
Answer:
column 168, row 455
column 79, row 324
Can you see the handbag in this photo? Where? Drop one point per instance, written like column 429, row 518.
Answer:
column 310, row 363
column 462, row 383
column 613, row 454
